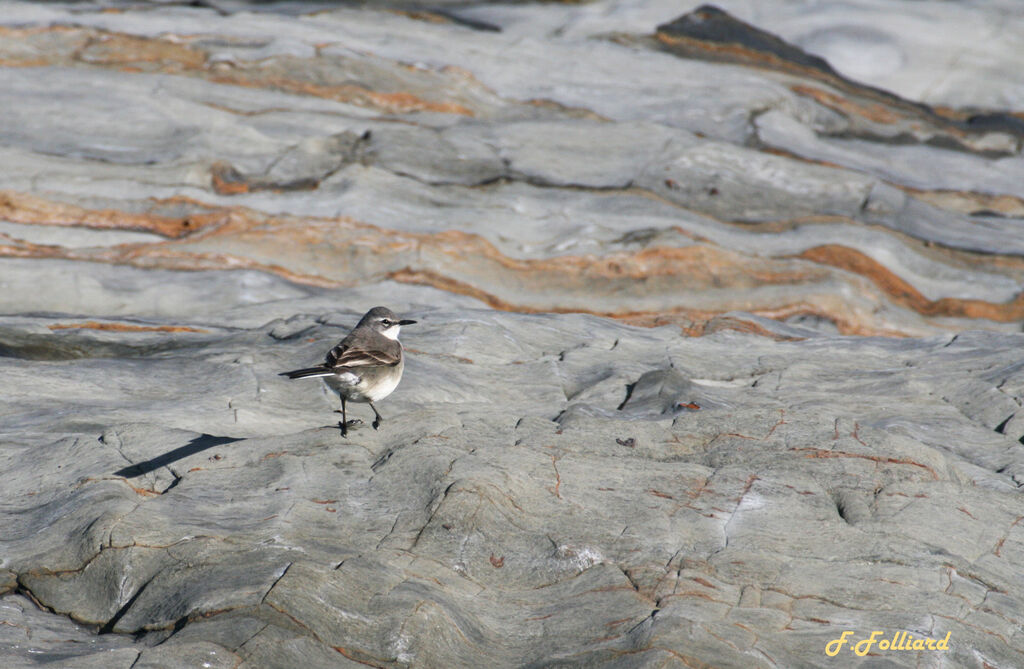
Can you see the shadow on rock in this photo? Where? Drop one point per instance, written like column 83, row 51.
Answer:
column 197, row 445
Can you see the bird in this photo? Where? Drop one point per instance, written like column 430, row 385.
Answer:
column 365, row 366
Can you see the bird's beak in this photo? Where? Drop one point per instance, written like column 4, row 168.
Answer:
column 406, row 322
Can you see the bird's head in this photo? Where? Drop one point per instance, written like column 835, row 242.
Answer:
column 384, row 321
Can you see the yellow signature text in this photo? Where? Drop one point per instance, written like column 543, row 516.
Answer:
column 899, row 641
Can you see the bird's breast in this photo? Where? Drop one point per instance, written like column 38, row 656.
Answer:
column 384, row 386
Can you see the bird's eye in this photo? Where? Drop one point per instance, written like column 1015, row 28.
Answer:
column 385, row 322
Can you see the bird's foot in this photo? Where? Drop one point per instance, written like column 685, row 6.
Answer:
column 345, row 426
column 376, row 423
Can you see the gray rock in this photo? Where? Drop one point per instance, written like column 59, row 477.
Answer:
column 703, row 502
column 195, row 198
column 30, row 637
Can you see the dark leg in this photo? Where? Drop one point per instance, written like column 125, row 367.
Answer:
column 379, row 419
column 345, row 422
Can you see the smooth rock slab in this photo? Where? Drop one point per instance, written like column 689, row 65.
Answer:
column 545, row 488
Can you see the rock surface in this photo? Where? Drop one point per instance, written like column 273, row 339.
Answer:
column 545, row 489
column 195, row 198
column 725, row 165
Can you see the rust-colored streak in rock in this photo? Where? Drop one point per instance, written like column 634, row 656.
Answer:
column 906, row 295
column 1002, row 540
column 822, row 453
column 692, row 322
column 854, row 261
column 421, row 15
column 67, row 45
column 143, row 53
column 226, row 180
column 833, row 310
column 157, row 256
column 572, row 112
column 124, row 327
column 442, row 282
column 70, row 46
column 730, row 53
column 968, row 202
column 1005, row 313
column 785, row 153
column 25, row 208
column 873, row 111
column 262, row 243
column 340, row 251
column 393, row 103
column 739, row 54
column 357, row 656
column 722, row 323
column 695, row 267
column 170, row 259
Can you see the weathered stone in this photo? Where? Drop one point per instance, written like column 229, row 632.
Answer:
column 196, row 198
column 470, row 524
column 31, row 637
column 276, row 115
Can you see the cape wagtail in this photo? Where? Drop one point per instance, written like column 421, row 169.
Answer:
column 365, row 366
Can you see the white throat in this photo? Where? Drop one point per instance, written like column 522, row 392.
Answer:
column 391, row 332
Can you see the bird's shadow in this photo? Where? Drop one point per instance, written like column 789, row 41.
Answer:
column 197, row 445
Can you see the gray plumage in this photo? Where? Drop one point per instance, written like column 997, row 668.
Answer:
column 365, row 366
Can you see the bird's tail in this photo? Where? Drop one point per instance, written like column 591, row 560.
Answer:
column 307, row 373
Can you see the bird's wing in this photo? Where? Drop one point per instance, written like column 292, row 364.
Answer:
column 343, row 355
